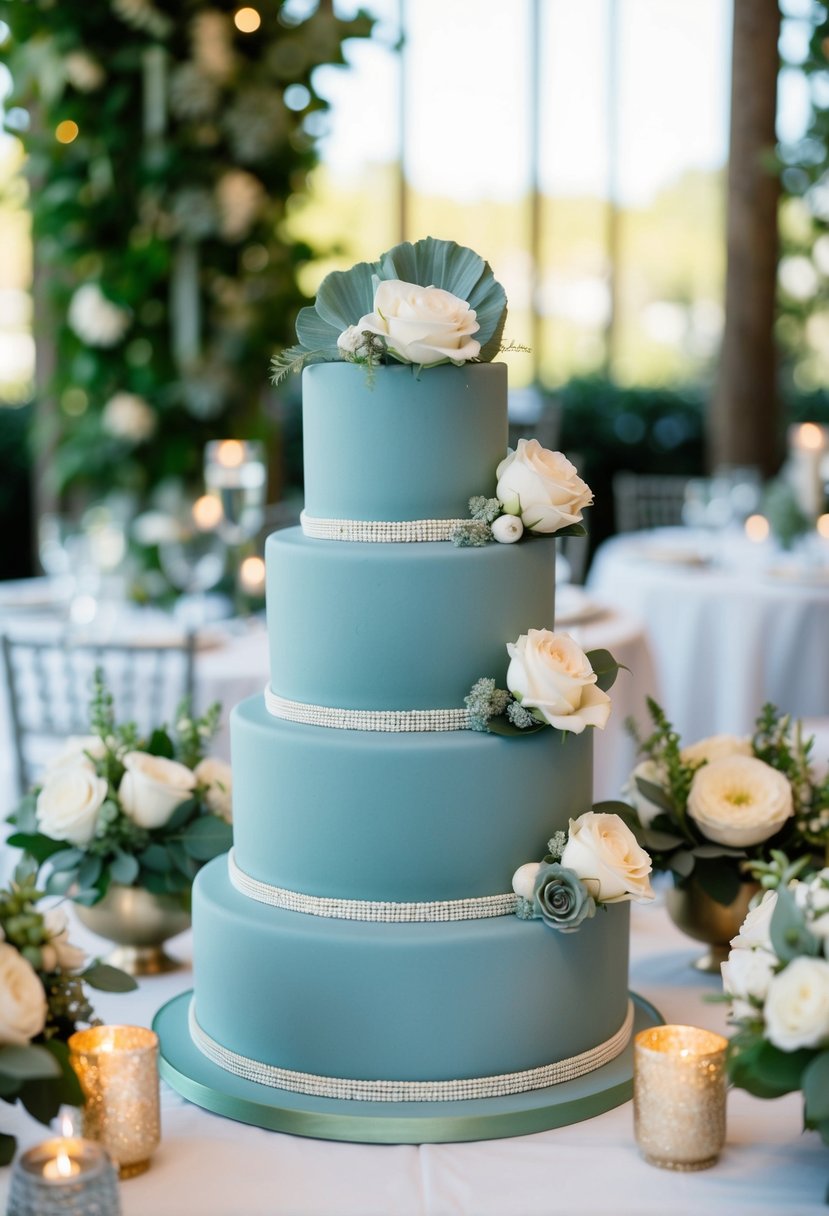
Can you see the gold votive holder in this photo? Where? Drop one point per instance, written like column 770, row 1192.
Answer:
column 679, row 1085
column 117, row 1067
column 66, row 1176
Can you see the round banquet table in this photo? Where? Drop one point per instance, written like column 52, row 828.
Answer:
column 730, row 625
column 210, row 1166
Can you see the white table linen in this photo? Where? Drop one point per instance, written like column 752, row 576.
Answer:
column 210, row 1166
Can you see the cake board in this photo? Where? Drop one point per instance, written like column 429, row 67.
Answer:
column 202, row 1082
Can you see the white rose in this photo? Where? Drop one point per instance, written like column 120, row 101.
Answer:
column 68, row 804
column 542, row 487
column 78, row 751
column 550, row 673
column 755, row 929
column 523, row 880
column 746, row 975
column 424, row 325
column 507, row 529
column 603, row 852
column 22, row 999
column 797, row 1005
column 716, row 747
column 66, row 956
column 128, row 416
column 647, row 770
column 152, row 787
column 813, row 897
column 95, row 319
column 739, row 801
column 217, row 776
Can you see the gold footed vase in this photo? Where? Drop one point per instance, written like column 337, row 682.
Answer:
column 139, row 922
column 699, row 916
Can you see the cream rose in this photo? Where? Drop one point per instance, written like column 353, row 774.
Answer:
column 152, row 787
column 59, row 953
column 424, row 325
column 22, row 999
column 739, row 801
column 217, row 777
column 68, row 804
column 542, row 487
column 755, row 931
column 603, row 852
column 797, row 1005
column 716, row 747
column 78, row 751
column 523, row 880
column 746, row 977
column 651, row 771
column 551, row 674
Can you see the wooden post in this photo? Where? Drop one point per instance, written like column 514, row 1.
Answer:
column 744, row 423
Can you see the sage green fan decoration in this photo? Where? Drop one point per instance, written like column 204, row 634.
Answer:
column 347, row 298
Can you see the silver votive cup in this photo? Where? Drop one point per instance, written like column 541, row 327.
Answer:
column 90, row 1189
column 679, row 1086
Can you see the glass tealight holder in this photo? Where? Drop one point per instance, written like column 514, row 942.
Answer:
column 679, row 1087
column 66, row 1176
column 117, row 1067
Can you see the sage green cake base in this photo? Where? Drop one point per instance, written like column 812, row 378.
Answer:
column 200, row 1081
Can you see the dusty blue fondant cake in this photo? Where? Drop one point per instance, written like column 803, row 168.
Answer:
column 376, row 944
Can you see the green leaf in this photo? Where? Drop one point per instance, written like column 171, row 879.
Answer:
column 344, row 296
column 502, row 726
column 23, row 1063
column 682, row 863
column 43, row 1099
column 89, row 871
column 660, row 842
column 182, row 861
column 65, row 859
column 87, row 897
column 757, row 1066
column 41, row 847
column 816, row 1090
column 60, row 883
column 124, row 869
column 605, row 667
column 207, row 837
column 181, row 814
column 718, row 878
column 655, row 794
column 716, row 850
column 155, row 857
column 572, row 530
column 24, row 816
column 789, row 934
column 8, row 1146
column 108, row 979
column 71, row 1093
column 161, row 744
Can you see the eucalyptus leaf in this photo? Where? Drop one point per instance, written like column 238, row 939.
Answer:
column 816, row 1090
column 23, row 1063
column 108, row 979
column 155, row 857
column 182, row 860
column 153, row 881
column 790, row 936
column 716, row 850
column 655, row 794
column 124, row 869
column 60, row 882
column 660, row 842
column 605, row 667
column 25, row 815
column 66, row 859
column 181, row 814
column 89, row 870
column 87, row 897
column 207, row 837
column 501, row 725
column 682, row 863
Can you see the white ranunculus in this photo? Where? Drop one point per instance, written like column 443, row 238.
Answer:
column 523, row 879
column 813, row 897
column 797, row 1005
column 507, row 529
column 62, row 955
column 217, row 776
column 739, row 801
column 22, row 999
column 716, row 747
column 351, row 340
column 79, row 751
column 95, row 319
column 604, row 853
column 424, row 325
column 651, row 771
column 755, row 929
column 746, row 975
column 128, row 416
column 551, row 674
column 152, row 787
column 68, row 804
column 541, row 486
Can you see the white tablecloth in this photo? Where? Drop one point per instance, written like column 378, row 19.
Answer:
column 726, row 635
column 209, row 1166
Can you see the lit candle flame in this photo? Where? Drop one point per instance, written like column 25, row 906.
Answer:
column 252, row 575
column 823, row 526
column 207, row 512
column 810, row 436
column 230, row 453
column 757, row 528
column 64, row 1164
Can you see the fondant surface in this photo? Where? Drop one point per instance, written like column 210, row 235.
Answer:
column 401, row 445
column 411, row 816
column 402, row 1002
column 398, row 626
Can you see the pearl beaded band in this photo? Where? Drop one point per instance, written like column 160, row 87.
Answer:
column 376, row 531
column 411, row 1091
column 394, row 720
column 483, row 907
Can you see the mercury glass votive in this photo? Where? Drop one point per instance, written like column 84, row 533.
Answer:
column 117, row 1067
column 66, row 1176
column 679, row 1085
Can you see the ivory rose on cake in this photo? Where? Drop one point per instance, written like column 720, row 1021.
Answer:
column 423, row 325
column 739, row 800
column 542, row 487
column 603, row 852
column 69, row 803
column 551, row 676
column 152, row 787
column 22, row 999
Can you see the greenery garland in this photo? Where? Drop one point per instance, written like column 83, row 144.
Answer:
column 164, row 145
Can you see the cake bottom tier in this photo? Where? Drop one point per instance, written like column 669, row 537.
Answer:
column 401, row 1002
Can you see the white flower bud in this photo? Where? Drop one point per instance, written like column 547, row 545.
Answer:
column 507, row 529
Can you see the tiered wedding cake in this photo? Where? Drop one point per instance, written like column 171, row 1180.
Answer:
column 359, row 953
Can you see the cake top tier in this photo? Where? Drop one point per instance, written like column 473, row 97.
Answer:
column 425, row 304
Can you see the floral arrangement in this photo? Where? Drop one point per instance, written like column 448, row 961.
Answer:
column 550, row 681
column 43, row 1000
column 718, row 809
column 418, row 303
column 538, row 491
column 597, row 863
column 776, row 981
column 116, row 808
